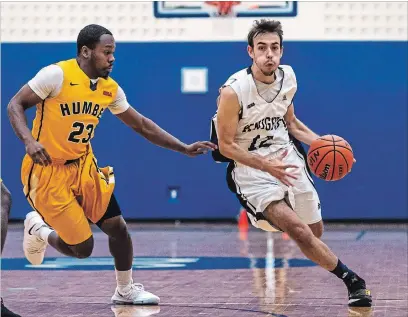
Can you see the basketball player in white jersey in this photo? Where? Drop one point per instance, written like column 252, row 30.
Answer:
column 267, row 171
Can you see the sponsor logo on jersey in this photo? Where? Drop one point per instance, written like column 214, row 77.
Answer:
column 251, row 105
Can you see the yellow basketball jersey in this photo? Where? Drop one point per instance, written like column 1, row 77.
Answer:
column 66, row 123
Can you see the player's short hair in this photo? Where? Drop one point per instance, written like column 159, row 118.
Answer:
column 264, row 26
column 90, row 35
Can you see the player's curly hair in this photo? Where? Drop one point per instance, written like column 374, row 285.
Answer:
column 264, row 26
column 90, row 35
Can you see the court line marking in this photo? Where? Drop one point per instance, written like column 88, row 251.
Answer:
column 360, row 235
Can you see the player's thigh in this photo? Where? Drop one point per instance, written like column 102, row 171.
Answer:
column 303, row 197
column 317, row 228
column 64, row 214
column 281, row 215
column 67, row 219
column 97, row 185
column 255, row 190
column 307, row 206
column 49, row 190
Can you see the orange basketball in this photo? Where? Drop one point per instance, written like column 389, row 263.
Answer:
column 330, row 157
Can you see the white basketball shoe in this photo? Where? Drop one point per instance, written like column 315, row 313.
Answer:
column 34, row 247
column 135, row 296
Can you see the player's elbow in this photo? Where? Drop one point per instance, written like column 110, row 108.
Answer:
column 14, row 105
column 225, row 148
column 11, row 107
column 292, row 125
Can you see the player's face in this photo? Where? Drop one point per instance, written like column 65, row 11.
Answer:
column 102, row 55
column 266, row 53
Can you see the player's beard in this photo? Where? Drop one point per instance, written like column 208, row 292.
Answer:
column 268, row 73
column 264, row 72
column 103, row 73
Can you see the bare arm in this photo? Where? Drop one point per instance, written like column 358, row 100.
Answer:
column 227, row 122
column 23, row 100
column 297, row 128
column 152, row 132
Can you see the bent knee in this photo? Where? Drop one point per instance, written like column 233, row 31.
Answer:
column 84, row 249
column 318, row 233
column 115, row 228
column 317, row 229
column 119, row 232
column 301, row 233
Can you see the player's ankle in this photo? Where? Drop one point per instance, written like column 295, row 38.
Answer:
column 342, row 271
column 44, row 232
column 124, row 280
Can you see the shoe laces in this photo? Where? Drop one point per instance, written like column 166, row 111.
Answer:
column 134, row 288
column 137, row 287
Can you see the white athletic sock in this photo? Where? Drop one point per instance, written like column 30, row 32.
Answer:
column 124, row 280
column 44, row 232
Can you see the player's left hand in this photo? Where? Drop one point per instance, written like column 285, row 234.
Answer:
column 200, row 147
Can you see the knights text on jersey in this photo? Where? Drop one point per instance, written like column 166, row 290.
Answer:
column 262, row 128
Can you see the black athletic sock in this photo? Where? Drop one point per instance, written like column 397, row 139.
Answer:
column 351, row 279
column 342, row 271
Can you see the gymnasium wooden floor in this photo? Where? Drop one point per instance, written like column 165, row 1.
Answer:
column 213, row 270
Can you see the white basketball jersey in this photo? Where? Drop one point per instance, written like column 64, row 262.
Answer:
column 261, row 127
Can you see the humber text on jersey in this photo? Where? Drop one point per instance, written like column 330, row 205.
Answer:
column 86, row 108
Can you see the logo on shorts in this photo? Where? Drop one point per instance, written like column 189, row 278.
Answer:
column 251, row 105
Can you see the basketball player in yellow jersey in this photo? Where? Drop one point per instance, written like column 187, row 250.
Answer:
column 61, row 178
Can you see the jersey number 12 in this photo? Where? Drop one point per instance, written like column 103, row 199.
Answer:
column 262, row 142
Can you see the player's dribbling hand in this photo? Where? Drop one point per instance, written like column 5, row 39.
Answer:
column 200, row 147
column 278, row 169
column 38, row 153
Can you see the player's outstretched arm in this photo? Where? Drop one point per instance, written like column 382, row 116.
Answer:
column 297, row 128
column 227, row 122
column 24, row 99
column 152, row 132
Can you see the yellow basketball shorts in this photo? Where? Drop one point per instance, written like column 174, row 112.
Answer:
column 68, row 194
